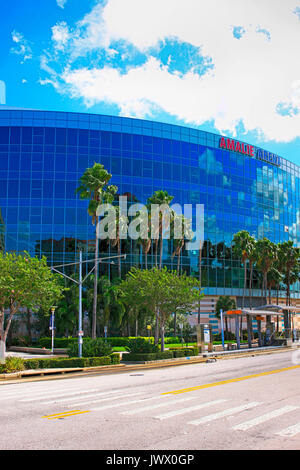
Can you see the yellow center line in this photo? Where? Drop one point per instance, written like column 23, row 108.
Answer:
column 224, row 382
column 65, row 414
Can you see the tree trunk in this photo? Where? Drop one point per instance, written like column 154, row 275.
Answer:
column 161, row 249
column 178, row 263
column 162, row 345
column 259, row 333
column 28, row 318
column 156, row 246
column 249, row 321
column 2, row 342
column 156, row 332
column 200, row 280
column 250, row 284
column 226, row 328
column 119, row 259
column 94, row 317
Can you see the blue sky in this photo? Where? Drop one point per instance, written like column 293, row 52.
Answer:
column 226, row 66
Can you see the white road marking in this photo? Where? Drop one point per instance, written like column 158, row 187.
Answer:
column 118, row 397
column 77, row 394
column 170, row 414
column 266, row 417
column 157, row 405
column 21, row 394
column 222, row 414
column 291, row 431
column 131, row 402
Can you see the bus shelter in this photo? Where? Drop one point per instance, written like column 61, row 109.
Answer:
column 261, row 313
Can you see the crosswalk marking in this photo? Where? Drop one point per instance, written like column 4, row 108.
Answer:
column 69, row 395
column 222, row 414
column 22, row 394
column 181, row 411
column 263, row 418
column 117, row 397
column 131, row 402
column 291, row 431
column 156, row 405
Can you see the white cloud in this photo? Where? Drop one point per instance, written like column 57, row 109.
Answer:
column 23, row 48
column 256, row 74
column 60, row 35
column 61, row 3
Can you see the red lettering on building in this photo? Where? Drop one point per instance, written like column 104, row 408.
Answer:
column 223, row 143
column 231, row 144
column 238, row 147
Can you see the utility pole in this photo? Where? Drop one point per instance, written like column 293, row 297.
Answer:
column 80, row 283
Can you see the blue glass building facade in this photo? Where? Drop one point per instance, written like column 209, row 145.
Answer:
column 43, row 154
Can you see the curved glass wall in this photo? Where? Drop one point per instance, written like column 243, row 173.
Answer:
column 43, row 154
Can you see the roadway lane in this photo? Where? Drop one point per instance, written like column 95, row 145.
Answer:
column 198, row 406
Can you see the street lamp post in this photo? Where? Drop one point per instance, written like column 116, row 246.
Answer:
column 52, row 328
column 222, row 329
column 149, row 328
column 80, row 283
column 181, row 328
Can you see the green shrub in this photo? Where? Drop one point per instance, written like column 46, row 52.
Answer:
column 191, row 351
column 31, row 364
column 12, row 364
column 132, row 357
column 139, row 357
column 91, row 348
column 172, row 340
column 61, row 343
column 178, row 353
column 99, row 361
column 164, row 355
column 141, row 346
column 20, row 340
column 115, row 358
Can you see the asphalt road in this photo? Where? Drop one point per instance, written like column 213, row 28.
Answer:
column 229, row 404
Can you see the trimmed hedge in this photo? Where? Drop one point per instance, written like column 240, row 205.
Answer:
column 114, row 341
column 170, row 354
column 191, row 351
column 148, row 356
column 16, row 364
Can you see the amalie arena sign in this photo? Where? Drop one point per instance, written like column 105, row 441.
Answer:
column 250, row 150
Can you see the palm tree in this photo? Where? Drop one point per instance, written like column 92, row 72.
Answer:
column 119, row 224
column 289, row 256
column 180, row 231
column 94, row 187
column 160, row 198
column 200, row 276
column 266, row 257
column 145, row 233
column 243, row 248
